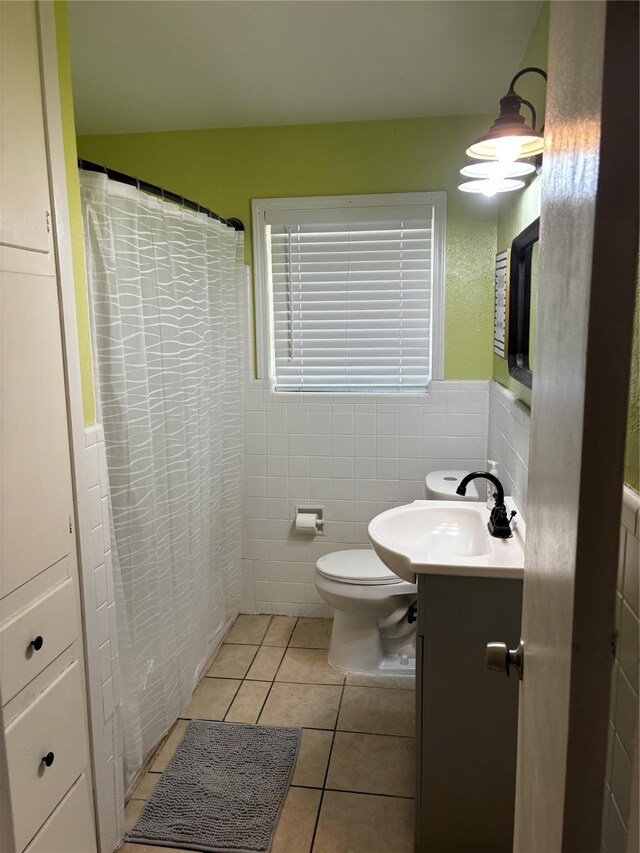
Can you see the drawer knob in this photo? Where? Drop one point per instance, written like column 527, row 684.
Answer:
column 37, row 644
column 47, row 759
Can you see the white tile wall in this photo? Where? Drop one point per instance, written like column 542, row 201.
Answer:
column 508, row 443
column 106, row 727
column 622, row 761
column 356, row 455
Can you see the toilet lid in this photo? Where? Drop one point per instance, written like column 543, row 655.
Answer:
column 358, row 567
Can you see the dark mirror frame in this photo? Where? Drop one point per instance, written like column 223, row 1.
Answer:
column 520, row 303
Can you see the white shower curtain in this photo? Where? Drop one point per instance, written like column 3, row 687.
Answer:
column 166, row 290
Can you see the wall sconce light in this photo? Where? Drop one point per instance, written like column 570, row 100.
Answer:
column 508, row 140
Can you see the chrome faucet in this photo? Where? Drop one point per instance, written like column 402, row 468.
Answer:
column 499, row 523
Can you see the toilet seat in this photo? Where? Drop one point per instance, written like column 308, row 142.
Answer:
column 362, row 567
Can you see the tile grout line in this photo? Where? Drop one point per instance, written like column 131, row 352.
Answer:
column 273, row 680
column 367, row 793
column 287, row 647
column 244, row 678
column 242, row 646
column 326, row 772
column 354, row 791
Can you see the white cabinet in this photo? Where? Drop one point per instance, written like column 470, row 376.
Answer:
column 36, row 501
column 45, row 756
column 45, row 796
column 35, row 637
column 69, row 829
column 24, row 183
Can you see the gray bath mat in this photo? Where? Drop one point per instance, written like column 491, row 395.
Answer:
column 223, row 789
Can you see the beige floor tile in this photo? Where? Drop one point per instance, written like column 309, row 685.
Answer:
column 364, row 823
column 169, row 747
column 211, row 699
column 132, row 813
column 377, row 710
column 308, row 666
column 248, row 703
column 279, row 631
column 248, row 630
column 297, row 821
column 145, row 786
column 312, row 633
column 397, row 682
column 313, row 758
column 373, row 764
column 309, row 705
column 266, row 663
column 232, row 661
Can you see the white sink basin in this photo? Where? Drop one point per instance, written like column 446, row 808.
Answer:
column 444, row 538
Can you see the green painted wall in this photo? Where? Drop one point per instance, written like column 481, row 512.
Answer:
column 225, row 168
column 516, row 212
column 75, row 210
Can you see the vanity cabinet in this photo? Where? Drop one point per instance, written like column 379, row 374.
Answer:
column 467, row 716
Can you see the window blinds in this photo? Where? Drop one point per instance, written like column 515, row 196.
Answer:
column 352, row 298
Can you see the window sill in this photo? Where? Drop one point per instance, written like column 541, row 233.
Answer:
column 430, row 396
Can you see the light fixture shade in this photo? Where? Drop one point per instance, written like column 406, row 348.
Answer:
column 509, row 137
column 488, row 169
column 491, row 187
column 507, row 144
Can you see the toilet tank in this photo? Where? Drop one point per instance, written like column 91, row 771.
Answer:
column 442, row 485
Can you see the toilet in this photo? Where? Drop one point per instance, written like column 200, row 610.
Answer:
column 374, row 623
column 442, row 485
column 374, row 626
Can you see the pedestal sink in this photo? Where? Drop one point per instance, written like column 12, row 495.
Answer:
column 444, row 538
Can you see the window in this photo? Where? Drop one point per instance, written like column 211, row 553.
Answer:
column 349, row 291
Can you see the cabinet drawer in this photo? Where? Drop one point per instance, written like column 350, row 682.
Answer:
column 35, row 637
column 70, row 828
column 55, row 724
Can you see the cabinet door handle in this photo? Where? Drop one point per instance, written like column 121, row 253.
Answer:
column 47, row 759
column 37, row 643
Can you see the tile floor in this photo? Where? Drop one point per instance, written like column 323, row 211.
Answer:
column 353, row 786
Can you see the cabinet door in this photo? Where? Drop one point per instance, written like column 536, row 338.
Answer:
column 36, row 503
column 24, row 184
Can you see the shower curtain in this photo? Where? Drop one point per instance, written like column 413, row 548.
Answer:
column 165, row 290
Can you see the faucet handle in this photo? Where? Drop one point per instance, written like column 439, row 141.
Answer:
column 499, row 522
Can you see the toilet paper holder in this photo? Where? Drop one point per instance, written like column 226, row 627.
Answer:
column 318, row 511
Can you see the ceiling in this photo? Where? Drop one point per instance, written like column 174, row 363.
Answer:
column 144, row 65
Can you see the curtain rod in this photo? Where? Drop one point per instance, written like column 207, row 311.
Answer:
column 159, row 191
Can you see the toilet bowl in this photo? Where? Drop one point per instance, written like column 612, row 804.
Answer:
column 374, row 623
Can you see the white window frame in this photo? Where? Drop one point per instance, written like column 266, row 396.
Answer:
column 262, row 284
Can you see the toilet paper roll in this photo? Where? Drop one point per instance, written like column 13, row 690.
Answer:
column 307, row 522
